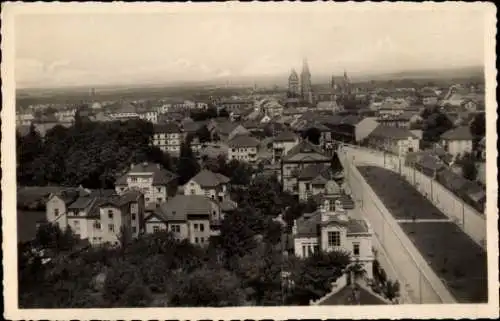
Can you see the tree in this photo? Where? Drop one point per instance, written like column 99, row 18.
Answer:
column 203, row 134
column 136, row 295
column 208, row 288
column 50, row 236
column 237, row 234
column 468, row 165
column 223, row 113
column 187, row 166
column 478, row 125
column 119, row 277
column 316, row 278
column 391, row 290
column 435, row 125
column 313, row 135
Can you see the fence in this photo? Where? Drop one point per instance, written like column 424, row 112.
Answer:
column 414, row 274
column 469, row 219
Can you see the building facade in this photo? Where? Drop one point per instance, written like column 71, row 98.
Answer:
column 327, row 231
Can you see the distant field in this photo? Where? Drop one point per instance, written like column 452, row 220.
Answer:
column 451, row 253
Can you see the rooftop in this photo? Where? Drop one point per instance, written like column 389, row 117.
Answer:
column 180, row 206
column 161, row 176
column 458, row 133
column 306, row 151
column 206, row 178
column 396, row 133
column 243, row 141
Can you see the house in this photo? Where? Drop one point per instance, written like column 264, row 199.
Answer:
column 429, row 98
column 123, row 111
column 317, row 179
column 326, row 230
column 282, row 144
column 328, row 105
column 156, row 183
column 100, row 219
column 243, row 148
column 149, row 115
column 233, row 104
column 302, row 155
column 66, row 116
column 209, row 184
column 457, row 141
column 227, row 130
column 213, row 150
column 188, row 217
column 168, row 137
column 24, row 119
column 398, row 141
column 273, row 108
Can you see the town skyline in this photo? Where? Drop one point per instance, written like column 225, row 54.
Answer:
column 121, row 48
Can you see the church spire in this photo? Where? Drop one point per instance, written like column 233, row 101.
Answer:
column 305, row 67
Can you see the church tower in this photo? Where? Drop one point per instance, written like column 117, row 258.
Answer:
column 293, row 83
column 333, row 89
column 346, row 86
column 305, row 83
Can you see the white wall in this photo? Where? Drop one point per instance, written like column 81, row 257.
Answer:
column 53, row 204
column 417, row 279
column 459, row 147
column 472, row 222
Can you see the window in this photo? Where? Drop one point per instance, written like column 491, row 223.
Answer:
column 158, row 189
column 309, row 250
column 192, row 191
column 356, row 249
column 304, row 253
column 202, row 227
column 110, row 214
column 133, row 217
column 316, row 248
column 334, row 238
column 97, row 225
column 56, row 212
column 196, row 240
column 195, row 226
column 122, row 189
column 175, row 228
column 202, row 240
column 156, row 229
column 147, row 199
column 159, row 199
column 111, row 227
column 134, row 229
column 133, row 179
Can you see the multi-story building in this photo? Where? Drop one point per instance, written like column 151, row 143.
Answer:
column 97, row 218
column 24, row 119
column 188, row 217
column 123, row 112
column 317, row 179
column 243, row 148
column 209, row 184
column 457, row 141
column 282, row 144
column 66, row 116
column 168, row 137
column 326, row 231
column 298, row 158
column 156, row 183
column 398, row 141
column 151, row 116
column 234, row 104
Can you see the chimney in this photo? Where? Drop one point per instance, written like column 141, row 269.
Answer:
column 131, row 165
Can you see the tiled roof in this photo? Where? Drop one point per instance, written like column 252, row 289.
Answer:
column 81, row 203
column 308, row 225
column 345, row 297
column 206, row 178
column 459, row 133
column 356, row 227
column 168, row 128
column 161, row 176
column 226, row 127
column 305, row 150
column 180, row 206
column 286, row 136
column 192, row 127
column 243, row 141
column 392, row 132
column 314, row 170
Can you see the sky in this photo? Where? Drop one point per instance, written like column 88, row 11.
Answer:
column 116, row 46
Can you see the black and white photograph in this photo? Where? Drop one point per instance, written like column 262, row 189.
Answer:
column 315, row 159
